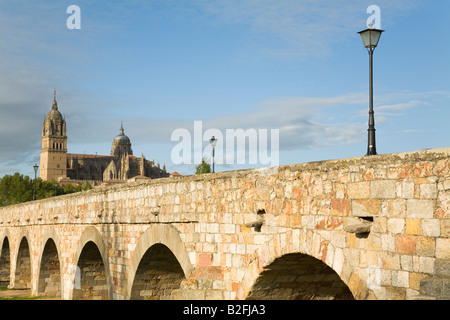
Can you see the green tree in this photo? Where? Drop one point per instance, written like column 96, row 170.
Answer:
column 15, row 189
column 86, row 187
column 203, row 167
column 69, row 188
column 46, row 189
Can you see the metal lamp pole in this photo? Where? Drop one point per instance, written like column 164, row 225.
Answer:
column 213, row 142
column 370, row 38
column 35, row 167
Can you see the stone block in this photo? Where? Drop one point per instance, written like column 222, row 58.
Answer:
column 426, row 265
column 386, row 277
column 414, row 226
column 295, row 221
column 400, row 279
column 396, row 225
column 420, row 209
column 428, row 191
column 425, row 246
column 443, row 248
column 360, row 227
column 388, row 242
column 445, row 228
column 338, row 262
column 447, row 184
column 341, row 207
column 204, row 259
column 405, row 244
column 407, row 189
column 442, row 268
column 358, row 190
column 340, row 190
column 406, row 262
column 431, row 227
column 366, row 208
column 430, row 286
column 379, row 225
column 383, row 189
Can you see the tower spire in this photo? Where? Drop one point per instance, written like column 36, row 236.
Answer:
column 55, row 104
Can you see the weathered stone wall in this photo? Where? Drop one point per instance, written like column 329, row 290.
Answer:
column 380, row 223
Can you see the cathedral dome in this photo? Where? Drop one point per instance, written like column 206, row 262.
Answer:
column 121, row 144
column 122, row 137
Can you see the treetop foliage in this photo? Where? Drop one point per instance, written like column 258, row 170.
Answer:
column 203, row 167
column 18, row 188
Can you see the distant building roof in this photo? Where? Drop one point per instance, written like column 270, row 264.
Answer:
column 176, row 174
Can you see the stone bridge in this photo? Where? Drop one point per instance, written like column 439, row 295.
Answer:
column 362, row 228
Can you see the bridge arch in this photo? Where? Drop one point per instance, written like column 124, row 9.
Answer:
column 91, row 277
column 23, row 266
column 5, row 259
column 298, row 276
column 161, row 241
column 3, row 235
column 280, row 264
column 49, row 271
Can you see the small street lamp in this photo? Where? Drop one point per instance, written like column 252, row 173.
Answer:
column 35, row 167
column 370, row 38
column 213, row 142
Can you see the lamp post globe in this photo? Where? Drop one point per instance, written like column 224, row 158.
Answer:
column 370, row 38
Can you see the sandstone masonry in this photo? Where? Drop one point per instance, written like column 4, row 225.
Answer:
column 365, row 228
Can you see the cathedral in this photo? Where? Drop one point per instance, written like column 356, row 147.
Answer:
column 120, row 166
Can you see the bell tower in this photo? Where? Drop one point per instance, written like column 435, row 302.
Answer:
column 54, row 145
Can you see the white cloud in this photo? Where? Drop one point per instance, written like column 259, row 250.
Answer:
column 400, row 106
column 303, row 122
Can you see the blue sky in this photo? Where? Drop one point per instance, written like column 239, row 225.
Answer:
column 293, row 65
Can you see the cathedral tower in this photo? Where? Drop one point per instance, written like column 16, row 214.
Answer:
column 54, row 145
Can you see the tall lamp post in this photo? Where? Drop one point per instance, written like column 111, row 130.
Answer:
column 35, row 167
column 213, row 142
column 370, row 38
